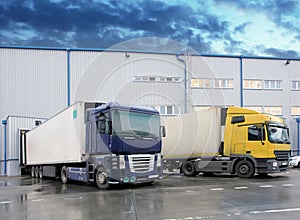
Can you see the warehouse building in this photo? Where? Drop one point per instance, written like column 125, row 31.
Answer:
column 37, row 83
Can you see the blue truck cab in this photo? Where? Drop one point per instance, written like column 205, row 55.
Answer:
column 123, row 145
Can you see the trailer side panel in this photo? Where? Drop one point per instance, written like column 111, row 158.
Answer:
column 61, row 139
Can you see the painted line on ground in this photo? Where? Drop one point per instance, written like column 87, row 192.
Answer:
column 275, row 211
column 192, row 218
column 72, row 198
column 217, row 189
column 38, row 200
column 266, row 186
column 288, row 184
column 241, row 187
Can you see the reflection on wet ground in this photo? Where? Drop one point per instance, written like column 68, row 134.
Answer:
column 173, row 197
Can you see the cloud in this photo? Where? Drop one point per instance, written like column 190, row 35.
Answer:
column 241, row 28
column 103, row 24
column 281, row 53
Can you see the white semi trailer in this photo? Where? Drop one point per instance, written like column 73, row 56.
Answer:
column 96, row 142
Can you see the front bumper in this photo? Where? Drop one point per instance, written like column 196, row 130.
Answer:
column 273, row 166
column 133, row 179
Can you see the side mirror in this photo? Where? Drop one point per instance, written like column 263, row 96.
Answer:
column 163, row 131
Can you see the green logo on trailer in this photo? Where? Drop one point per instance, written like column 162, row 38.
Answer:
column 74, row 114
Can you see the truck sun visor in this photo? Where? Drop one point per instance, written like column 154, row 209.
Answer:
column 237, row 119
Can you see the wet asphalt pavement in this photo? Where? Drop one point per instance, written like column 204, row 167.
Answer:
column 174, row 197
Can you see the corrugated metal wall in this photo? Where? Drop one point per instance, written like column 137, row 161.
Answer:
column 32, row 83
column 35, row 82
column 216, row 68
column 272, row 69
column 14, row 123
column 110, row 76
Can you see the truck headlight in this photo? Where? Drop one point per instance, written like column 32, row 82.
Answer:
column 158, row 160
column 122, row 162
column 275, row 164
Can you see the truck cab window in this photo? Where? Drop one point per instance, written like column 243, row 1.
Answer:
column 102, row 124
column 278, row 134
column 256, row 133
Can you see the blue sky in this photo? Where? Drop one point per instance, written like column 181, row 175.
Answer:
column 228, row 27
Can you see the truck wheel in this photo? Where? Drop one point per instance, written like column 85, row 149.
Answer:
column 245, row 169
column 63, row 175
column 36, row 171
column 32, row 171
column 41, row 172
column 101, row 179
column 188, row 168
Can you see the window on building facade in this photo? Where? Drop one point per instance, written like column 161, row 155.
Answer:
column 272, row 84
column 295, row 110
column 252, row 84
column 200, row 83
column 156, row 79
column 274, row 110
column 295, row 85
column 223, row 83
column 152, row 78
column 167, row 109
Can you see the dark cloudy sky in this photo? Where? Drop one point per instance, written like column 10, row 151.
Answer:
column 229, row 27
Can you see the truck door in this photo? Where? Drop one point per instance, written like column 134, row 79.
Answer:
column 238, row 140
column 256, row 144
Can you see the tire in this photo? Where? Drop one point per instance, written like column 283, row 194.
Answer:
column 64, row 175
column 101, row 179
column 41, row 172
column 245, row 169
column 36, row 171
column 298, row 165
column 188, row 168
column 32, row 172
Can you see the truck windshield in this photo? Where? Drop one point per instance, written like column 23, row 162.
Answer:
column 140, row 125
column 278, row 134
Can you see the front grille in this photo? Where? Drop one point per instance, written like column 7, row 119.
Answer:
column 282, row 155
column 141, row 163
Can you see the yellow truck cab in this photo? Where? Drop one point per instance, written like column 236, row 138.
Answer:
column 230, row 140
column 258, row 138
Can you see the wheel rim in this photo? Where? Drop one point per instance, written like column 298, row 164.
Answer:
column 101, row 177
column 64, row 177
column 189, row 168
column 244, row 169
column 36, row 170
column 32, row 171
column 41, row 172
